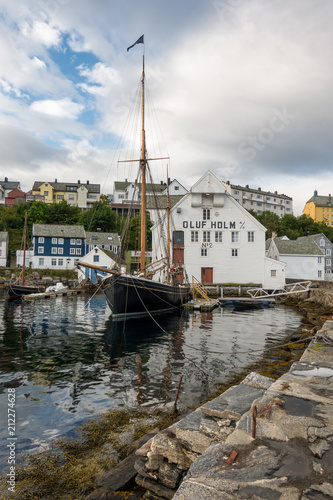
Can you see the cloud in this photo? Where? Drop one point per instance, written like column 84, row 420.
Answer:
column 41, row 32
column 61, row 108
column 100, row 78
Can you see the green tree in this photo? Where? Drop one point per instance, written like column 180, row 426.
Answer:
column 99, row 216
column 63, row 213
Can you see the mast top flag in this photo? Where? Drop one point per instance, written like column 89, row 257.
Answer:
column 139, row 40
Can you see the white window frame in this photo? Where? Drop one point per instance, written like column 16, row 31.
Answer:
column 250, row 236
column 72, row 251
column 40, row 249
column 60, row 262
column 206, row 236
column 41, row 239
column 273, row 273
column 234, row 236
column 79, row 241
column 53, row 262
column 54, row 250
column 60, row 241
column 204, row 252
column 73, row 241
column 60, row 251
column 328, row 262
column 328, row 251
column 41, row 261
column 194, row 236
column 78, row 251
column 206, row 214
column 218, row 236
column 54, row 241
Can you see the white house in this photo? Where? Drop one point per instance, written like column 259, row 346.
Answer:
column 4, row 243
column 107, row 241
column 304, row 259
column 216, row 240
column 98, row 257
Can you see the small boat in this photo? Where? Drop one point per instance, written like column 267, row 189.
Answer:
column 19, row 287
column 139, row 294
column 240, row 304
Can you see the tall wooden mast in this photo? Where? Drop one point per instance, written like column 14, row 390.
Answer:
column 24, row 247
column 143, row 162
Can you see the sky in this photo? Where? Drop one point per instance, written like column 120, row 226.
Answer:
column 243, row 88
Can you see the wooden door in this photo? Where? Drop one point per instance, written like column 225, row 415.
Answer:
column 206, row 275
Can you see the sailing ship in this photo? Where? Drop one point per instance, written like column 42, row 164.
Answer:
column 140, row 294
column 19, row 287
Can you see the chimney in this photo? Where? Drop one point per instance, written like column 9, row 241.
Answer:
column 79, row 182
column 247, row 186
column 161, row 183
column 87, row 182
column 329, row 200
column 274, row 235
column 6, row 179
column 55, row 180
column 315, row 192
column 259, row 189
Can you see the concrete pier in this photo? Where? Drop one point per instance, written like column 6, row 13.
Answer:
column 261, row 439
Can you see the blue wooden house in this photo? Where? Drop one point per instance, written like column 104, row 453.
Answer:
column 57, row 246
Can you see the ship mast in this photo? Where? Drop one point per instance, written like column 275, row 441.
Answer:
column 143, row 163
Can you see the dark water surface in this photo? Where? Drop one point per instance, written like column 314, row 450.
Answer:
column 69, row 361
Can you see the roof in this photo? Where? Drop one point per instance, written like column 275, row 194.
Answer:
column 99, row 238
column 160, row 202
column 258, row 191
column 58, row 231
column 297, row 247
column 62, row 186
column 313, row 237
column 9, row 184
column 121, row 186
column 113, row 256
column 15, row 193
column 321, row 201
column 150, row 187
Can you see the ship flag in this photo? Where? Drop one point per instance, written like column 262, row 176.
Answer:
column 139, row 40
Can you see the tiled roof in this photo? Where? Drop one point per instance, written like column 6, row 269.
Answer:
column 260, row 191
column 9, row 184
column 62, row 186
column 161, row 201
column 297, row 247
column 99, row 238
column 58, row 231
column 321, row 201
column 113, row 256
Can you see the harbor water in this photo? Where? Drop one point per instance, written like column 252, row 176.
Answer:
column 68, row 361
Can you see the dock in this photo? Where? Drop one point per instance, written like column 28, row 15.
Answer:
column 201, row 305
column 246, row 302
column 50, row 295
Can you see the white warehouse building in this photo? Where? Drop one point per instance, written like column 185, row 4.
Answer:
column 216, row 240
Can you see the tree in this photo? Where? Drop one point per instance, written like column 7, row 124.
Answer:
column 99, row 216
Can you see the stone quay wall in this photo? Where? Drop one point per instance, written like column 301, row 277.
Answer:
column 261, row 439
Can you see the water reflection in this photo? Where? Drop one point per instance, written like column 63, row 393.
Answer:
column 68, row 360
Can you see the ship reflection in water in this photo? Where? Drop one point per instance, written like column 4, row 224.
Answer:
column 68, row 360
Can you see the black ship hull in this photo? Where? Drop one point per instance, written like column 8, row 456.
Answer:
column 132, row 296
column 17, row 291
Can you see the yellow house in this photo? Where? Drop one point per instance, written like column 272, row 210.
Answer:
column 82, row 195
column 320, row 208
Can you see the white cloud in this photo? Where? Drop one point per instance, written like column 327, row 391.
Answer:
column 61, row 108
column 41, row 32
column 100, row 79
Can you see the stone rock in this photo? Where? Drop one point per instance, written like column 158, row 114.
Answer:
column 325, row 489
column 319, row 447
column 140, row 468
column 233, row 403
column 154, row 461
column 149, row 495
column 167, row 445
column 298, row 390
column 155, row 487
column 169, row 475
column 256, row 380
column 103, row 494
column 239, row 437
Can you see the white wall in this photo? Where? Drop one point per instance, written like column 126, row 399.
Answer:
column 304, row 267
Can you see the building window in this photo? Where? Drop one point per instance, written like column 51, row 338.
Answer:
column 60, row 196
column 218, row 236
column 328, row 262
column 328, row 271
column 328, row 251
column 60, row 251
column 206, row 214
column 259, row 204
column 72, row 241
column 60, row 262
column 234, row 252
column 250, row 236
column 72, row 251
column 234, row 236
column 206, row 237
column 121, row 196
column 204, row 252
column 54, row 250
column 41, row 239
column 320, row 274
column 60, row 241
column 319, row 260
column 53, row 262
column 176, row 188
column 96, row 258
column 78, row 251
column 40, row 249
column 46, row 193
column 194, row 236
column 79, row 241
column 71, row 197
column 236, row 192
column 178, row 237
column 54, row 241
column 41, row 262
column 273, row 273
